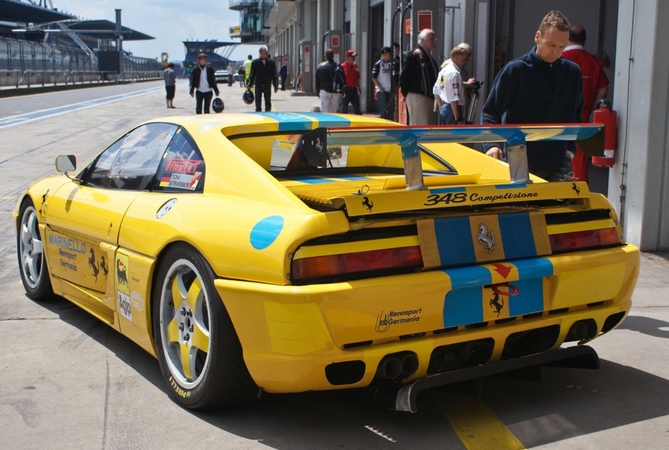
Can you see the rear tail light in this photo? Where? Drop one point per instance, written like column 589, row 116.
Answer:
column 355, row 263
column 580, row 240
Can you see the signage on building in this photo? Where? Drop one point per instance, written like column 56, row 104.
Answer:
column 424, row 20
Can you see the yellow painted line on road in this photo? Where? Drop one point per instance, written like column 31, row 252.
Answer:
column 477, row 426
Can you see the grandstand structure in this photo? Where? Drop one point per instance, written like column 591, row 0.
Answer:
column 215, row 60
column 41, row 45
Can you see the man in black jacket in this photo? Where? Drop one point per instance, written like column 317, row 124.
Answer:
column 202, row 82
column 329, row 98
column 417, row 80
column 263, row 76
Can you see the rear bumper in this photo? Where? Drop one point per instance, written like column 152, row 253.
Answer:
column 294, row 337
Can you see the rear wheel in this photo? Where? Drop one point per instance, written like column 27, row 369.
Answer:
column 199, row 352
column 30, row 251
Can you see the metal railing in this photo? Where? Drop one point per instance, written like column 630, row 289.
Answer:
column 32, row 78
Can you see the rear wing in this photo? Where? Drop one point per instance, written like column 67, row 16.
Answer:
column 514, row 136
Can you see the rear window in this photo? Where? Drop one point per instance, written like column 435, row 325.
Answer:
column 310, row 150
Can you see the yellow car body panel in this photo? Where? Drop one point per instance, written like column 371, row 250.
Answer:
column 103, row 248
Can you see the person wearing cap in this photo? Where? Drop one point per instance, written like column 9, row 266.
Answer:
column 381, row 77
column 325, row 72
column 351, row 92
column 417, row 80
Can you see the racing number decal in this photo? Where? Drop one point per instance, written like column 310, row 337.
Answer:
column 450, row 197
column 122, row 286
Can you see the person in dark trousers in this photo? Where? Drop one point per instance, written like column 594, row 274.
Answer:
column 540, row 87
column 202, row 83
column 283, row 74
column 329, row 99
column 351, row 77
column 382, row 79
column 170, row 84
column 263, row 76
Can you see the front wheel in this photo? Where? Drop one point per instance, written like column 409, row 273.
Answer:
column 30, row 251
column 199, row 352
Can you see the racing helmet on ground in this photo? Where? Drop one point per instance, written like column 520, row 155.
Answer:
column 248, row 97
column 217, row 105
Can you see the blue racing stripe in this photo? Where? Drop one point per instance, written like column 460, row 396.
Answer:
column 463, row 307
column 530, row 297
column 308, row 179
column 516, row 231
column 510, row 186
column 533, row 268
column 465, row 277
column 463, row 304
column 328, row 120
column 288, row 121
column 454, row 241
column 447, row 190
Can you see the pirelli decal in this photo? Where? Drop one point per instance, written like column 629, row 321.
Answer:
column 456, row 241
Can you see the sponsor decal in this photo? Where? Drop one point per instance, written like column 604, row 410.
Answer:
column 385, row 320
column 181, row 181
column 137, row 300
column 122, row 287
column 68, row 244
column 178, row 389
column 180, row 165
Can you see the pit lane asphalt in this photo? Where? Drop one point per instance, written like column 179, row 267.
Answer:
column 70, row 382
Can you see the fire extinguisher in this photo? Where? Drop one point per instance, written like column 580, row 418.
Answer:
column 605, row 115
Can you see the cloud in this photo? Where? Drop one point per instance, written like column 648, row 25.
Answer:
column 170, row 23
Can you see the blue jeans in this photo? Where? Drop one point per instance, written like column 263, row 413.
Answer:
column 383, row 98
column 446, row 116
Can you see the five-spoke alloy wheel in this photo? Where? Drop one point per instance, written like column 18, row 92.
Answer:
column 30, row 251
column 199, row 352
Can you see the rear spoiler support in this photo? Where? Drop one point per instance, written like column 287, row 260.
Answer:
column 515, row 136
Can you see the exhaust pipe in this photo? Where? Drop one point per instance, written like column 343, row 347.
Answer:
column 397, row 365
column 409, row 364
column 583, row 329
column 390, row 368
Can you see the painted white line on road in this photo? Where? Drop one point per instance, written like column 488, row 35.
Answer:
column 38, row 115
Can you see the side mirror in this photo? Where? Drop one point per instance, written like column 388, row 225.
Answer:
column 66, row 163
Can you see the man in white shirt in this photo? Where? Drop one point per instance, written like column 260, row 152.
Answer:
column 449, row 89
column 381, row 77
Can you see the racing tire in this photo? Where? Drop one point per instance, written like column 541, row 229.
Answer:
column 30, row 252
column 198, row 349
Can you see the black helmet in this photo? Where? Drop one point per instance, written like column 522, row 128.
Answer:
column 217, row 105
column 248, row 97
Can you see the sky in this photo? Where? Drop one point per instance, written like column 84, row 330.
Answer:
column 170, row 22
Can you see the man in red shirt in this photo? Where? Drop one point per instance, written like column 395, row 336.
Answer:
column 595, row 83
column 351, row 91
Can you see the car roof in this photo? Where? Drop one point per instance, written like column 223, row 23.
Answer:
column 231, row 124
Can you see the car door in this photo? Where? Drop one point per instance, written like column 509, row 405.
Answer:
column 83, row 218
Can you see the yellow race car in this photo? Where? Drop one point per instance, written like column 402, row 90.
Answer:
column 294, row 252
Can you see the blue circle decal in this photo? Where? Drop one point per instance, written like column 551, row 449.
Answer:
column 265, row 232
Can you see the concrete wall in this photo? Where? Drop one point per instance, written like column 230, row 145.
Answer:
column 638, row 183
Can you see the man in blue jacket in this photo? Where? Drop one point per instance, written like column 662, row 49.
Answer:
column 540, row 87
